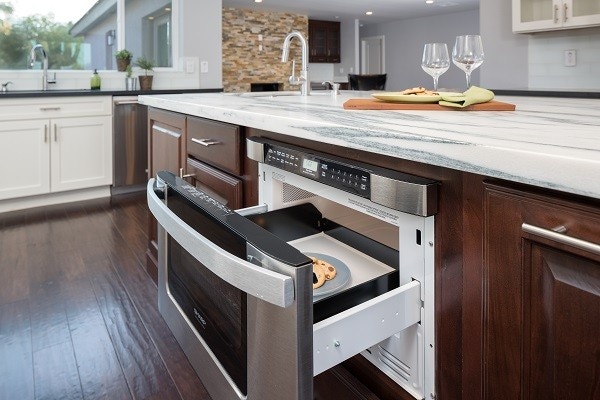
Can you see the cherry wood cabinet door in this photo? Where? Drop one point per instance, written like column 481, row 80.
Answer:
column 541, row 323
column 166, row 151
column 562, row 325
column 223, row 187
column 324, row 41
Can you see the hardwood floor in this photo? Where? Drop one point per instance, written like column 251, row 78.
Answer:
column 78, row 313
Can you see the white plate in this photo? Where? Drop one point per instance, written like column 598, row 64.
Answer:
column 410, row 98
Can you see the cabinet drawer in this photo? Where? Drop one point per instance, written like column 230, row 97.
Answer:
column 40, row 108
column 216, row 143
column 223, row 187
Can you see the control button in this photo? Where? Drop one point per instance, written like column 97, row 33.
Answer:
column 363, row 187
column 323, row 173
column 364, row 178
column 324, row 166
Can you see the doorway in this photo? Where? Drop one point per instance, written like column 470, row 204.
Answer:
column 372, row 55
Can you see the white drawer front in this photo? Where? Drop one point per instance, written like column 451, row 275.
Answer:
column 54, row 107
column 346, row 334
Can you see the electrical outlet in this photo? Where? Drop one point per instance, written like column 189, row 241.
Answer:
column 570, row 58
column 204, row 67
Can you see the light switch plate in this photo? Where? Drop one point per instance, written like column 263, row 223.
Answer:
column 203, row 67
column 189, row 66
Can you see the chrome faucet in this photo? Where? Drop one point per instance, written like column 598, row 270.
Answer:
column 45, row 80
column 303, row 78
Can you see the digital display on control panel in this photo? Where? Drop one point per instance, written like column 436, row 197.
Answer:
column 310, row 165
column 350, row 178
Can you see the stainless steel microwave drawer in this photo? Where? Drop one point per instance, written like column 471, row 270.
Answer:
column 215, row 143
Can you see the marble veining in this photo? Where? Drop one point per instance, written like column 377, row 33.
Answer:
column 547, row 142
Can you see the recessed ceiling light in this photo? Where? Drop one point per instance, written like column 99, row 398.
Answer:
column 167, row 8
column 428, row 1
column 258, row 1
column 150, row 18
column 369, row 13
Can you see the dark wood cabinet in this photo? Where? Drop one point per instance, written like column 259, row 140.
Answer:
column 541, row 329
column 324, row 41
column 209, row 154
column 166, row 152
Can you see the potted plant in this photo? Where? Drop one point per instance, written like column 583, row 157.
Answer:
column 123, row 59
column 130, row 81
column 145, row 80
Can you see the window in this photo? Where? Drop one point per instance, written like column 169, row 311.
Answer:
column 85, row 34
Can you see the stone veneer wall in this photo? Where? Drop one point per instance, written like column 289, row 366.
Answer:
column 243, row 63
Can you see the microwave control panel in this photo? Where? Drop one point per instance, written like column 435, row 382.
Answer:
column 342, row 176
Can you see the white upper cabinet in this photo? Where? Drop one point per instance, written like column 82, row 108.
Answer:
column 547, row 15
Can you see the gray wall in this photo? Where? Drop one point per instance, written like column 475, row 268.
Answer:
column 404, row 42
column 200, row 38
column 347, row 36
column 506, row 62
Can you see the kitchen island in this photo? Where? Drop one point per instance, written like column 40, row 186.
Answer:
column 547, row 142
column 516, row 233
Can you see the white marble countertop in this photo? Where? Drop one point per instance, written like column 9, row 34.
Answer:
column 548, row 142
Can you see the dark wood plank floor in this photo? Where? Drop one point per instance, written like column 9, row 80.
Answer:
column 78, row 313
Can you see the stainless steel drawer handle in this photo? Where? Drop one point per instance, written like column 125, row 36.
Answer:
column 206, row 142
column 262, row 283
column 166, row 131
column 49, row 108
column 561, row 238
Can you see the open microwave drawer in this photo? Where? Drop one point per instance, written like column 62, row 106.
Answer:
column 364, row 303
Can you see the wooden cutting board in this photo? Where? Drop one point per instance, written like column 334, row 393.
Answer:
column 374, row 104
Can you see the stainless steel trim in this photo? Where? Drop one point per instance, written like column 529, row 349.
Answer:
column 45, row 133
column 413, row 198
column 49, row 108
column 261, row 208
column 125, row 102
column 562, row 238
column 259, row 282
column 206, row 142
column 165, row 130
column 55, row 133
column 255, row 151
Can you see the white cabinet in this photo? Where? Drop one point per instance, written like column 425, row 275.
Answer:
column 547, row 15
column 25, row 160
column 64, row 144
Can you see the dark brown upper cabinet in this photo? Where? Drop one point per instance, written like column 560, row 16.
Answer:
column 324, row 41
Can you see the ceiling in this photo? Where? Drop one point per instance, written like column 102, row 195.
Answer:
column 383, row 10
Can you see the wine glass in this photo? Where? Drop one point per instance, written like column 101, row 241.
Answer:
column 435, row 61
column 467, row 54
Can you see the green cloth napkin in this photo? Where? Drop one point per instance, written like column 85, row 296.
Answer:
column 473, row 95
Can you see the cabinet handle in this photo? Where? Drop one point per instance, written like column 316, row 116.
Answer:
column 55, row 133
column 559, row 237
column 205, row 142
column 556, row 14
column 166, row 131
column 45, row 133
column 49, row 108
column 565, row 9
column 182, row 176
